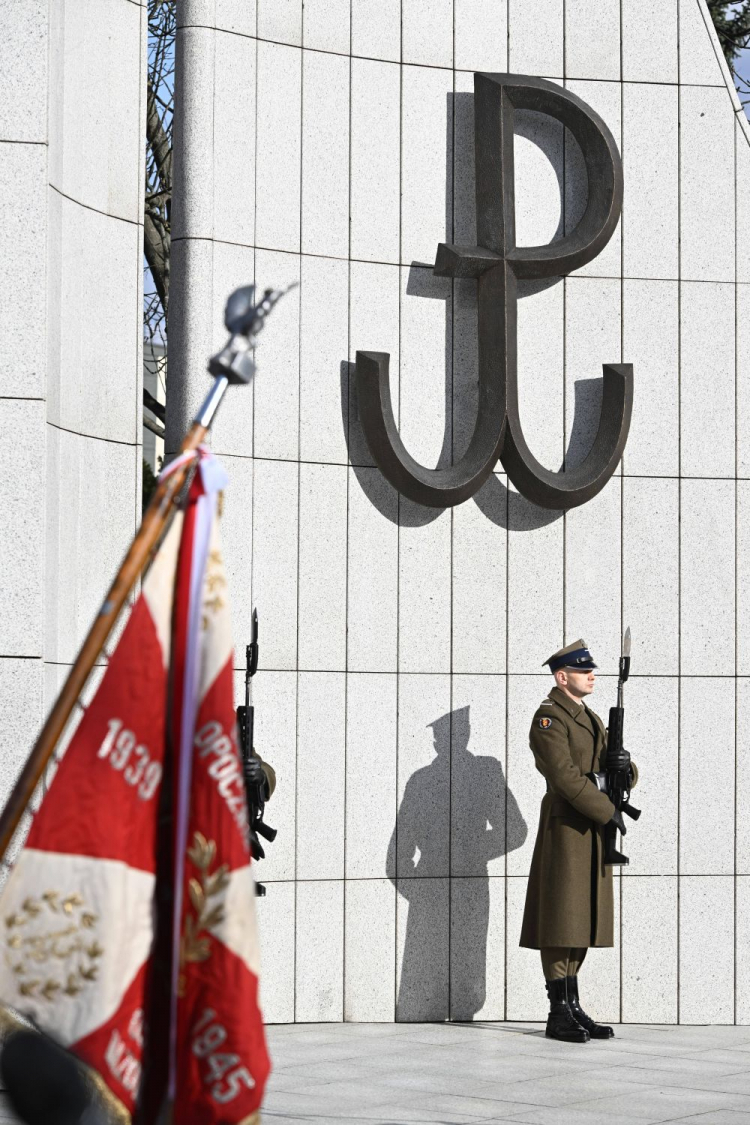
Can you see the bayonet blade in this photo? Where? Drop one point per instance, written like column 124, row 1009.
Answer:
column 626, row 642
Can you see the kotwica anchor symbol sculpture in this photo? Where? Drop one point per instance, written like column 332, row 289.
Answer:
column 497, row 264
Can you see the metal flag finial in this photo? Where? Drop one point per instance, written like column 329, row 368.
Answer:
column 244, row 320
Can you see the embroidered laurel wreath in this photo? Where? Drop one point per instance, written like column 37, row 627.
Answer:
column 196, row 945
column 51, row 947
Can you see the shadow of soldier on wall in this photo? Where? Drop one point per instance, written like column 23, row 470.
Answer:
column 457, row 814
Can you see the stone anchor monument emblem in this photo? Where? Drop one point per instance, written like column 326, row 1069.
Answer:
column 497, row 264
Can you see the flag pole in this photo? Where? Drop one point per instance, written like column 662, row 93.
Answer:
column 233, row 364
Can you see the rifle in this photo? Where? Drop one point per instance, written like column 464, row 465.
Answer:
column 616, row 783
column 256, row 797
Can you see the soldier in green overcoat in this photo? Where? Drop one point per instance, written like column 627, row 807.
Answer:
column 569, row 899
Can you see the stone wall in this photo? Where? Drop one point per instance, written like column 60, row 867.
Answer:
column 71, row 223
column 402, row 647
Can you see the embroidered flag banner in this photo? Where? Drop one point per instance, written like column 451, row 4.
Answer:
column 80, row 905
column 219, row 1061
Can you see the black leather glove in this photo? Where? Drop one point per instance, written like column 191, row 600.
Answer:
column 620, row 761
column 617, row 820
column 254, row 772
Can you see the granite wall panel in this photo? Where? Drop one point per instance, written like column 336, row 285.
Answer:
column 593, row 568
column 278, row 143
column 535, row 624
column 424, row 643
column 22, row 244
column 375, row 161
column 371, row 756
column 742, row 344
column 592, row 40
column 742, row 985
column 480, row 35
column 651, row 342
column 370, row 951
column 526, row 786
column 274, row 696
column 525, row 997
column 23, row 59
column 707, row 422
column 707, row 170
column 421, row 834
column 232, row 432
column 649, row 41
column 427, row 32
column 276, row 927
column 22, row 465
column 22, row 682
column 422, row 958
column 649, row 952
column 321, row 750
column 322, row 567
column 280, row 20
column 274, row 582
column 707, row 796
column 529, row 52
column 427, row 148
column 326, row 25
column 276, row 420
column 650, row 148
column 707, row 920
column 233, row 138
column 325, row 154
column 373, row 575
column 707, row 576
column 376, row 29
column 319, row 952
column 742, row 782
column 374, row 325
column 653, row 843
column 697, row 50
column 477, row 949
column 481, row 805
column 541, row 364
column 650, row 572
column 479, row 568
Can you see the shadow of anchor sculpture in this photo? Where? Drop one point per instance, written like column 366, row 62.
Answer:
column 498, row 265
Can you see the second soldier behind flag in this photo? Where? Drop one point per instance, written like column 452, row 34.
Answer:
column 569, row 899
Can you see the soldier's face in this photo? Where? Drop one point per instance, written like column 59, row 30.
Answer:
column 580, row 683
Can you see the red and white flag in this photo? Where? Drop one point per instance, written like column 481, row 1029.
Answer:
column 78, row 929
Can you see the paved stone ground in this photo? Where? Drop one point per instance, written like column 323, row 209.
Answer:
column 383, row 1074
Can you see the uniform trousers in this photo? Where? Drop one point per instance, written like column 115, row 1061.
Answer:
column 558, row 961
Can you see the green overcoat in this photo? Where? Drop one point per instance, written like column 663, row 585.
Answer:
column 569, row 899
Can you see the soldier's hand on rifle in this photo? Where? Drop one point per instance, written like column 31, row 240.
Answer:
column 618, row 821
column 619, row 760
column 254, row 772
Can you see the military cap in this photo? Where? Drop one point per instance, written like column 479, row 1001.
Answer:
column 575, row 656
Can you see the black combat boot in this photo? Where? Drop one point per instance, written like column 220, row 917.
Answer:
column 595, row 1030
column 561, row 1023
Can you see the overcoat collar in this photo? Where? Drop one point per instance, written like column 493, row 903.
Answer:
column 558, row 696
column 576, row 711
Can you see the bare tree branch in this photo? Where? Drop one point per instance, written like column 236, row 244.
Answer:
column 158, row 204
